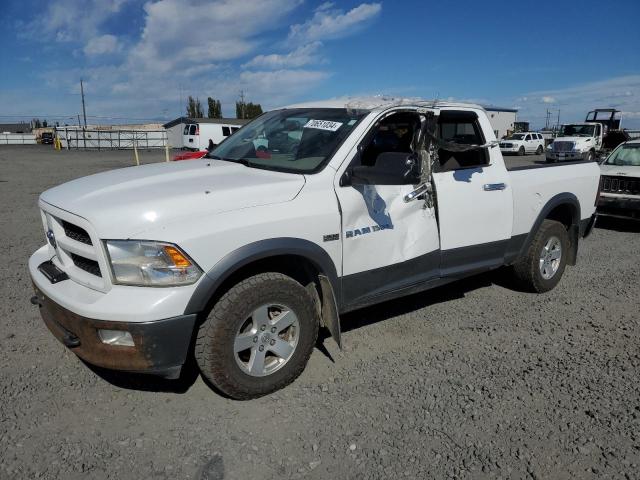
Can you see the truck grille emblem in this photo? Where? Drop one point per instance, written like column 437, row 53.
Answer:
column 52, row 238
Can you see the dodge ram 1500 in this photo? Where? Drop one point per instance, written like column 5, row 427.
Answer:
column 305, row 213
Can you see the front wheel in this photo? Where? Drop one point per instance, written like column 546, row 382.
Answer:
column 521, row 151
column 539, row 150
column 258, row 337
column 543, row 264
column 591, row 156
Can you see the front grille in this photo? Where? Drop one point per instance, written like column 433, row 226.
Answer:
column 76, row 233
column 506, row 145
column 622, row 185
column 562, row 146
column 89, row 266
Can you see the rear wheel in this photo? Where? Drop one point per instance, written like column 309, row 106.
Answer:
column 542, row 266
column 591, row 156
column 258, row 337
column 521, row 151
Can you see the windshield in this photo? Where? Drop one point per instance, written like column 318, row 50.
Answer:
column 291, row 140
column 578, row 130
column 516, row 136
column 625, row 155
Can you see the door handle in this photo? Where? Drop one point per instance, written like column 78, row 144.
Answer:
column 490, row 187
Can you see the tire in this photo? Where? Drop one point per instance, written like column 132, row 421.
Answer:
column 237, row 320
column 591, row 156
column 539, row 150
column 528, row 269
column 521, row 151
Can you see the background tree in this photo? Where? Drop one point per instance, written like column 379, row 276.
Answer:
column 248, row 110
column 35, row 123
column 215, row 109
column 194, row 108
column 44, row 123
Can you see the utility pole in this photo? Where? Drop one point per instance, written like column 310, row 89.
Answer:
column 79, row 120
column 84, row 112
column 242, row 106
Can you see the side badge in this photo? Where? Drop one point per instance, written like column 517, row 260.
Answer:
column 331, row 238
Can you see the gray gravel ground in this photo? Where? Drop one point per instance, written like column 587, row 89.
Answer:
column 472, row 380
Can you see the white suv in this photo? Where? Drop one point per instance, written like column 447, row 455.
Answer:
column 522, row 143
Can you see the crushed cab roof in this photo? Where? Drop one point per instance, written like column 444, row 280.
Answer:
column 380, row 103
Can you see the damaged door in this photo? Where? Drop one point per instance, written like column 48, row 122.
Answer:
column 473, row 194
column 388, row 243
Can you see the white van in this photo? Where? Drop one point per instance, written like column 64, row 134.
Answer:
column 196, row 136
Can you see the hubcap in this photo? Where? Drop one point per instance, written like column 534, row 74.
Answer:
column 550, row 258
column 266, row 340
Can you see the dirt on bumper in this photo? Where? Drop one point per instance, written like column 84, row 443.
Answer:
column 160, row 347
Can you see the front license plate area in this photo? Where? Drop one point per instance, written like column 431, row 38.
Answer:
column 53, row 273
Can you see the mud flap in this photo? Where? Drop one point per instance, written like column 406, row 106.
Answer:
column 330, row 316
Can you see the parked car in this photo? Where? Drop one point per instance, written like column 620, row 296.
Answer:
column 199, row 136
column 523, row 143
column 190, row 155
column 620, row 182
column 238, row 259
column 46, row 138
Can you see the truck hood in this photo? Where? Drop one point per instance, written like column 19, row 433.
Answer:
column 125, row 202
column 621, row 170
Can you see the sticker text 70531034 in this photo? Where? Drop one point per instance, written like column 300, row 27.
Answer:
column 323, row 125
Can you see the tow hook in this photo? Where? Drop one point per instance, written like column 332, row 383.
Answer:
column 35, row 300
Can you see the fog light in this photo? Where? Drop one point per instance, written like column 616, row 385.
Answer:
column 116, row 337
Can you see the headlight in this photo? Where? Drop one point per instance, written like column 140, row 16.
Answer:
column 150, row 264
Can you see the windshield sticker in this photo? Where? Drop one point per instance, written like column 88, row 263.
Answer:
column 323, row 125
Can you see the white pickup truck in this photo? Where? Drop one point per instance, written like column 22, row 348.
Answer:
column 237, row 259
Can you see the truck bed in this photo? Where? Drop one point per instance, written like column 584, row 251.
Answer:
column 534, row 185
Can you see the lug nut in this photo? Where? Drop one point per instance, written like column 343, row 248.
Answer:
column 261, row 347
column 272, row 342
column 263, row 327
column 255, row 339
column 273, row 329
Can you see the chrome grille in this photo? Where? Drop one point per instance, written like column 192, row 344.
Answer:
column 562, row 146
column 506, row 145
column 621, row 185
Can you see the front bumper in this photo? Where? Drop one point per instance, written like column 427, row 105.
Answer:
column 160, row 347
column 570, row 156
column 619, row 206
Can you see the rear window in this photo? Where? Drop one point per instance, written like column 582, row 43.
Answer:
column 226, row 131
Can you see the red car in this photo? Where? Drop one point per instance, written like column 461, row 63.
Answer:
column 190, row 155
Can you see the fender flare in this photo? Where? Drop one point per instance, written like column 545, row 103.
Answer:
column 566, row 198
column 259, row 250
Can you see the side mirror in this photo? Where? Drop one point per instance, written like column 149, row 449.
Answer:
column 391, row 168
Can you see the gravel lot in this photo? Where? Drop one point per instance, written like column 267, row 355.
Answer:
column 472, row 380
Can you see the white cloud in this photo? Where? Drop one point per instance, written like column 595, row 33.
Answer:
column 104, row 44
column 329, row 22
column 300, row 57
column 575, row 101
column 184, row 32
column 548, row 99
column 71, row 20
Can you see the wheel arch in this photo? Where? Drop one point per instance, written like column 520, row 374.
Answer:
column 301, row 259
column 564, row 208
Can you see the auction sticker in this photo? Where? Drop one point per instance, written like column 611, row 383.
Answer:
column 323, row 125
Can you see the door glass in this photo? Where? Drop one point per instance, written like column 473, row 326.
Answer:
column 192, row 130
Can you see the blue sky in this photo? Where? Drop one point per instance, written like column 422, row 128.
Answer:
column 140, row 60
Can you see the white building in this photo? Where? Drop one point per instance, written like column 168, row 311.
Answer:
column 502, row 120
